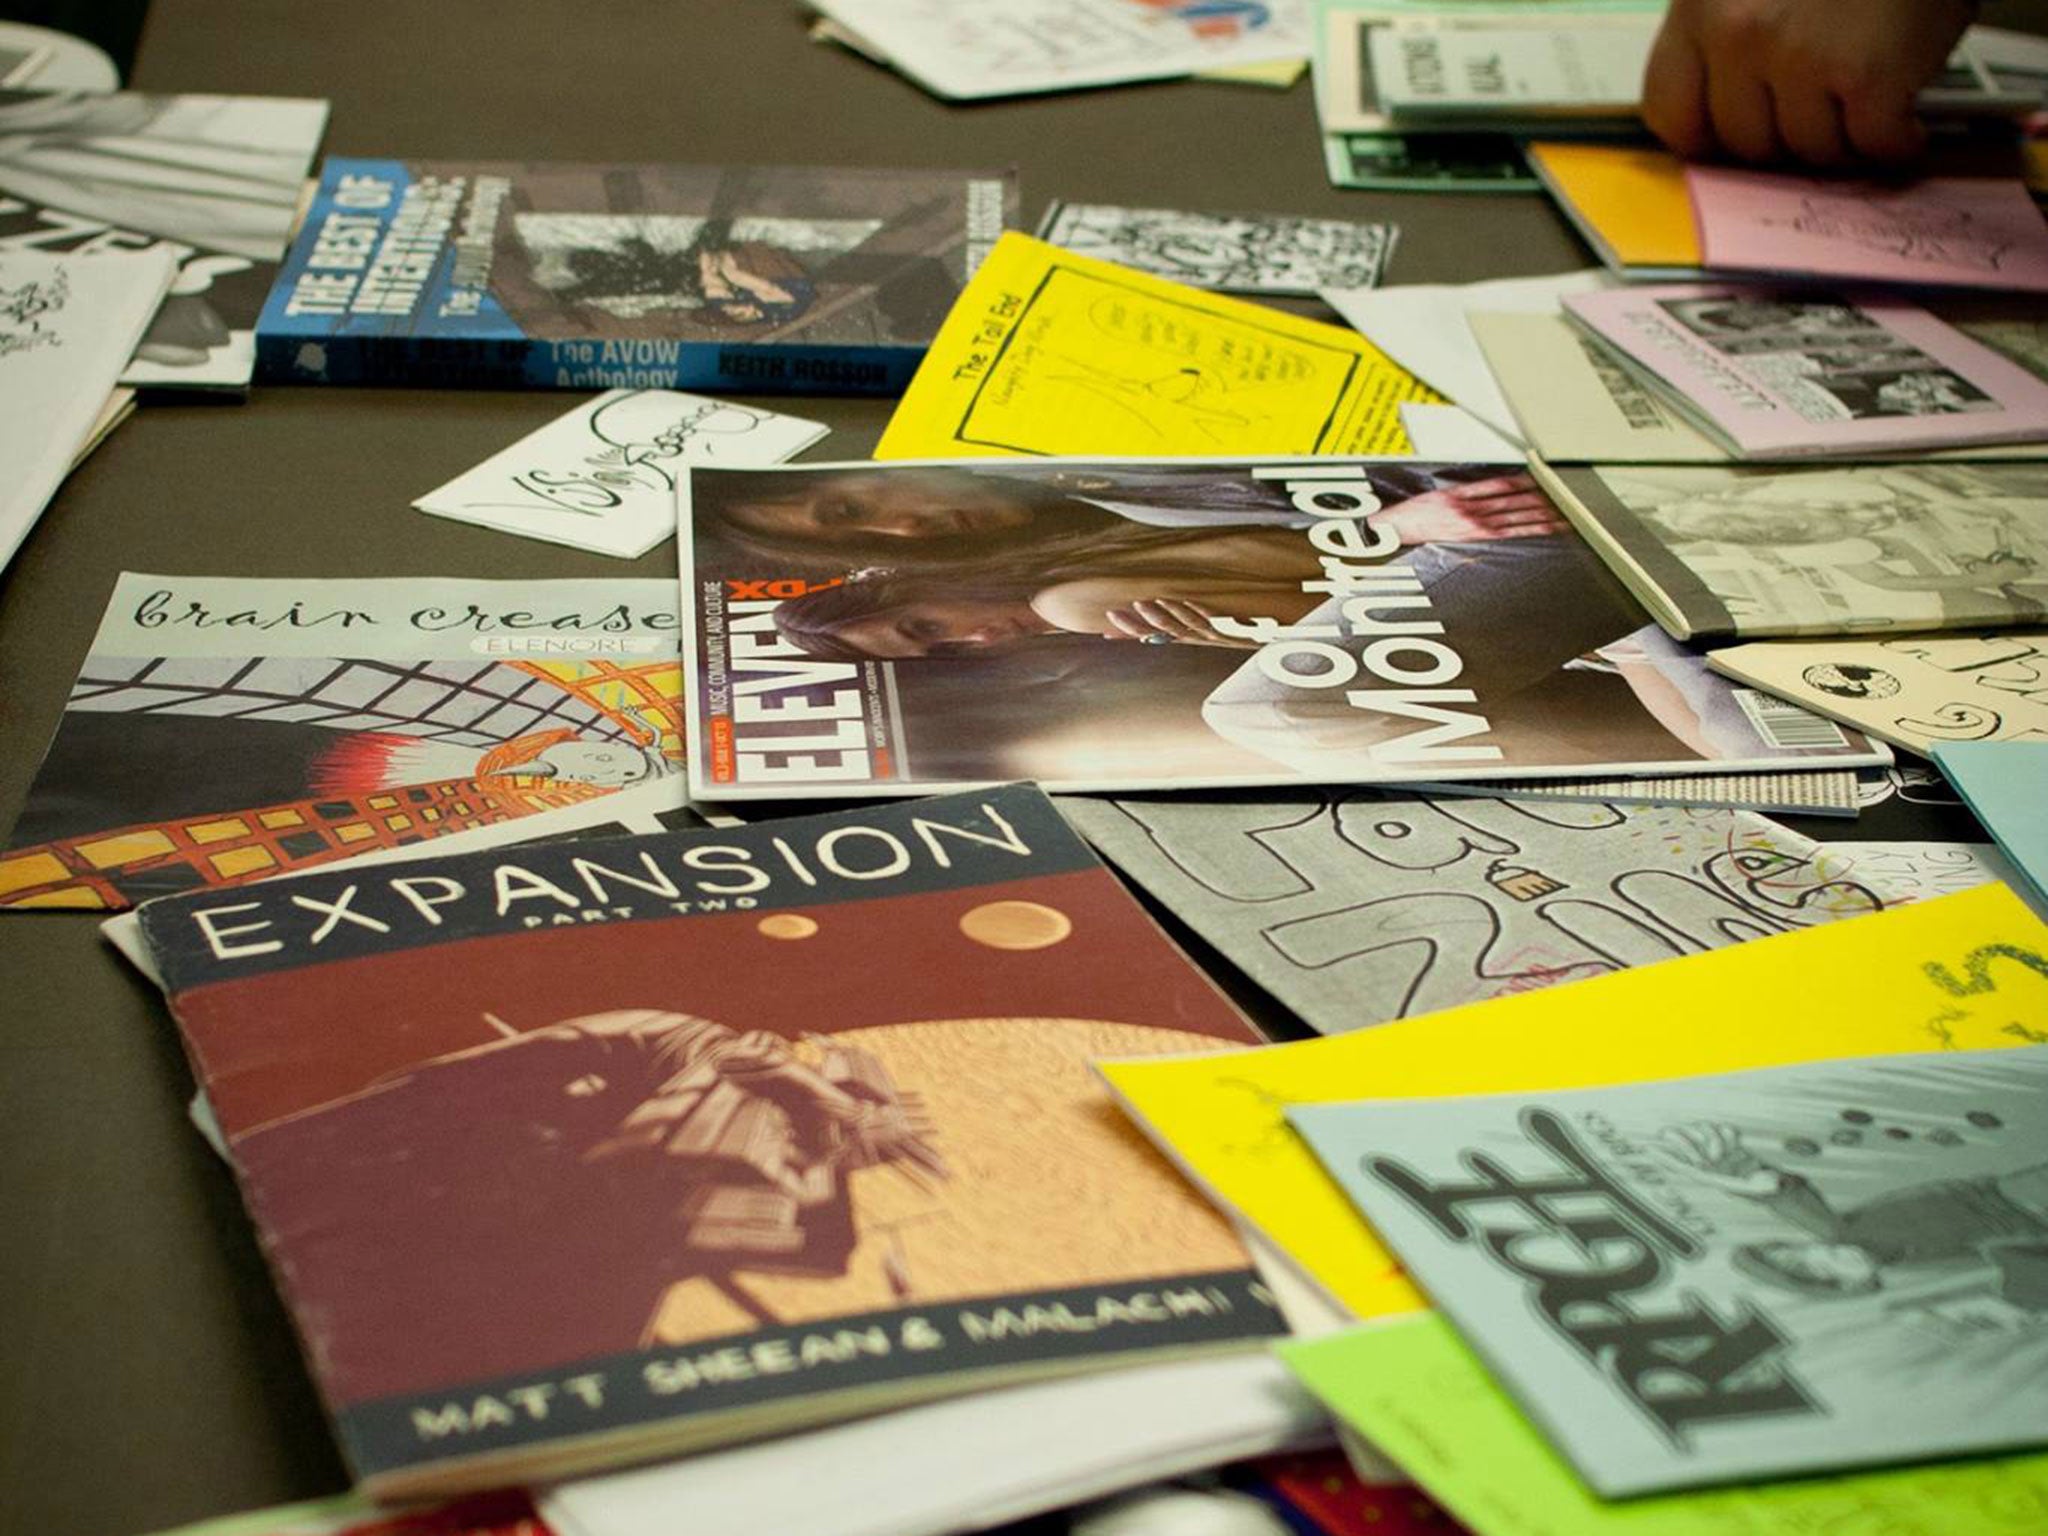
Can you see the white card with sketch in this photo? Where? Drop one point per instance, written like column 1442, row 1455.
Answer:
column 1227, row 252
column 67, row 324
column 603, row 477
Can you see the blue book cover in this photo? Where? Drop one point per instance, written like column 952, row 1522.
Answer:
column 544, row 275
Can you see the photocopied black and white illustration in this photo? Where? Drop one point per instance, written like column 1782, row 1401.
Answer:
column 1833, row 350
column 1799, row 1268
column 213, row 180
column 1353, row 908
column 1854, row 548
column 1228, row 252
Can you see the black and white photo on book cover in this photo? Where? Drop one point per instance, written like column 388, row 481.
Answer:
column 1105, row 624
column 215, row 180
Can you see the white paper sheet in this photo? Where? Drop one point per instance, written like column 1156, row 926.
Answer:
column 1452, row 432
column 67, row 327
column 602, row 477
column 974, row 48
column 1422, row 327
column 966, row 1464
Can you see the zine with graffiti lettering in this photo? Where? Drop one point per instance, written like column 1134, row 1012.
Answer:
column 1745, row 1276
column 225, row 729
column 585, row 1152
column 1111, row 624
column 1353, row 907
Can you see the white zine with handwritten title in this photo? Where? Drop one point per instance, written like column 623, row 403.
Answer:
column 603, row 477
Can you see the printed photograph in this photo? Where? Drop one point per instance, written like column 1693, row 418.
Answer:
column 1127, row 625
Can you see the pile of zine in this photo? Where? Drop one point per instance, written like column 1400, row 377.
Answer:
column 690, row 1047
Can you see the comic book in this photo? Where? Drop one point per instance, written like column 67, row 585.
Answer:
column 1779, row 374
column 878, row 629
column 1842, row 550
column 1913, row 691
column 214, row 181
column 1787, row 1270
column 224, row 728
column 763, row 280
column 578, row 1154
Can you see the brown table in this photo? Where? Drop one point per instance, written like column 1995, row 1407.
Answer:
column 147, row 1374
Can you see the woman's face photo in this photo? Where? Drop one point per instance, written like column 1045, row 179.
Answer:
column 939, row 626
column 856, row 508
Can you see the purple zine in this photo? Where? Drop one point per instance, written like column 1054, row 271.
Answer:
column 1778, row 375
column 1951, row 231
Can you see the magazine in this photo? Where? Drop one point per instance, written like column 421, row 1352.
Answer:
column 601, row 1128
column 1847, row 549
column 1426, row 162
column 865, row 629
column 1495, row 70
column 67, row 325
column 602, row 477
column 1799, row 1268
column 223, row 729
column 987, row 48
column 761, row 280
column 1913, row 691
column 212, row 180
column 1356, row 907
column 1788, row 375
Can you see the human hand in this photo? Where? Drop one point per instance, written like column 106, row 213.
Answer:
column 1159, row 619
column 1819, row 80
column 1507, row 507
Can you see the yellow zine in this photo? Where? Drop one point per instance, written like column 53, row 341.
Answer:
column 1046, row 352
column 1963, row 972
column 1635, row 198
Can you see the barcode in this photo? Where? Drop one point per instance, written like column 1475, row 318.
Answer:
column 1784, row 724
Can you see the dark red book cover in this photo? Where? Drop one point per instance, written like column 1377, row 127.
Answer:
column 570, row 1153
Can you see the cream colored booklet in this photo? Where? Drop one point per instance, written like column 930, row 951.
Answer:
column 1913, row 691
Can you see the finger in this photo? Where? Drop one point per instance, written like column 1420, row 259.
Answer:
column 1880, row 124
column 1675, row 94
column 1744, row 116
column 1500, row 485
column 1810, row 121
column 1127, row 624
column 1514, row 505
column 1162, row 619
column 1534, row 517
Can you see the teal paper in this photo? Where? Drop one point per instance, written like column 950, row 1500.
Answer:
column 1767, row 1273
column 2006, row 784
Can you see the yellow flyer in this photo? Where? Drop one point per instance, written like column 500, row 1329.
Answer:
column 1963, row 972
column 1047, row 352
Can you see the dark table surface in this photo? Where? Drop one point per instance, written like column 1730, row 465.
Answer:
column 147, row 1374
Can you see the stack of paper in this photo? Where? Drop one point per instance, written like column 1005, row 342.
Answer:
column 990, row 48
column 68, row 325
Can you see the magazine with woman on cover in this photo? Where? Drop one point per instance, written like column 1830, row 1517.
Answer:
column 1103, row 624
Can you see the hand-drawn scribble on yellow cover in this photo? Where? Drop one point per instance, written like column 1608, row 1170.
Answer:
column 1048, row 352
column 1962, row 972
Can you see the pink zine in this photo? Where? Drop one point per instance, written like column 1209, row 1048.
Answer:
column 1953, row 231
